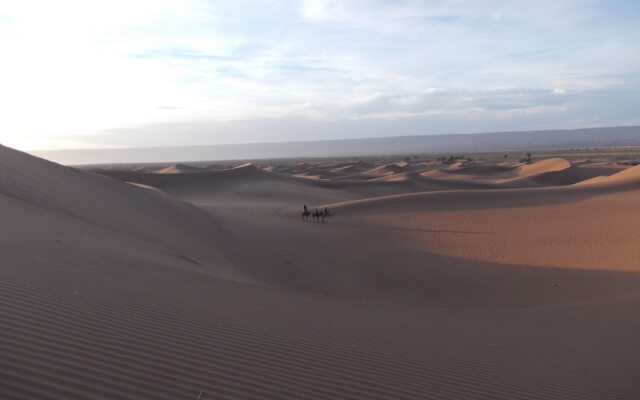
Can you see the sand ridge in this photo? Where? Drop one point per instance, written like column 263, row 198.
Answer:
column 626, row 178
column 179, row 169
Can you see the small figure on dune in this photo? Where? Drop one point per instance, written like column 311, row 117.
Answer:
column 317, row 215
column 305, row 213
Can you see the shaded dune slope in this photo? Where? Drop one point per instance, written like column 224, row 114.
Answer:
column 253, row 183
column 96, row 206
column 481, row 170
column 185, row 179
column 73, row 336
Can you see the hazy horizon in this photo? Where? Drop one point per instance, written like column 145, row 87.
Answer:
column 138, row 74
column 335, row 139
column 361, row 147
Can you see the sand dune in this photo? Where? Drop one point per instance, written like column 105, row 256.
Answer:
column 423, row 285
column 245, row 167
column 398, row 176
column 492, row 170
column 179, row 169
column 511, row 228
column 99, row 211
column 386, row 169
column 544, row 166
column 358, row 166
column 625, row 178
column 550, row 172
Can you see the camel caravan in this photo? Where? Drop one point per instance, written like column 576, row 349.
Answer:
column 316, row 215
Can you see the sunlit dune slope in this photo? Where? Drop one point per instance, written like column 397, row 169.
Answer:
column 549, row 172
column 626, row 178
column 592, row 225
column 179, row 169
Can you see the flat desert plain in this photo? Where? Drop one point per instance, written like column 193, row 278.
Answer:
column 430, row 280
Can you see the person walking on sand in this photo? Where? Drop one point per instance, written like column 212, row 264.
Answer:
column 316, row 215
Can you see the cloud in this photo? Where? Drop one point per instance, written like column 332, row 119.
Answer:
column 107, row 75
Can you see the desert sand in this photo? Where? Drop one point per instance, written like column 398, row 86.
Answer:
column 468, row 280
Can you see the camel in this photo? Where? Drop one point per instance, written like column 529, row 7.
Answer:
column 317, row 215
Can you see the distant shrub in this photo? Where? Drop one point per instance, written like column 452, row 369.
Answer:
column 526, row 159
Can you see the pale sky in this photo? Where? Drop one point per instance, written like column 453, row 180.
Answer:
column 126, row 73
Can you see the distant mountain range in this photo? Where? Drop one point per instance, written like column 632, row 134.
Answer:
column 401, row 145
